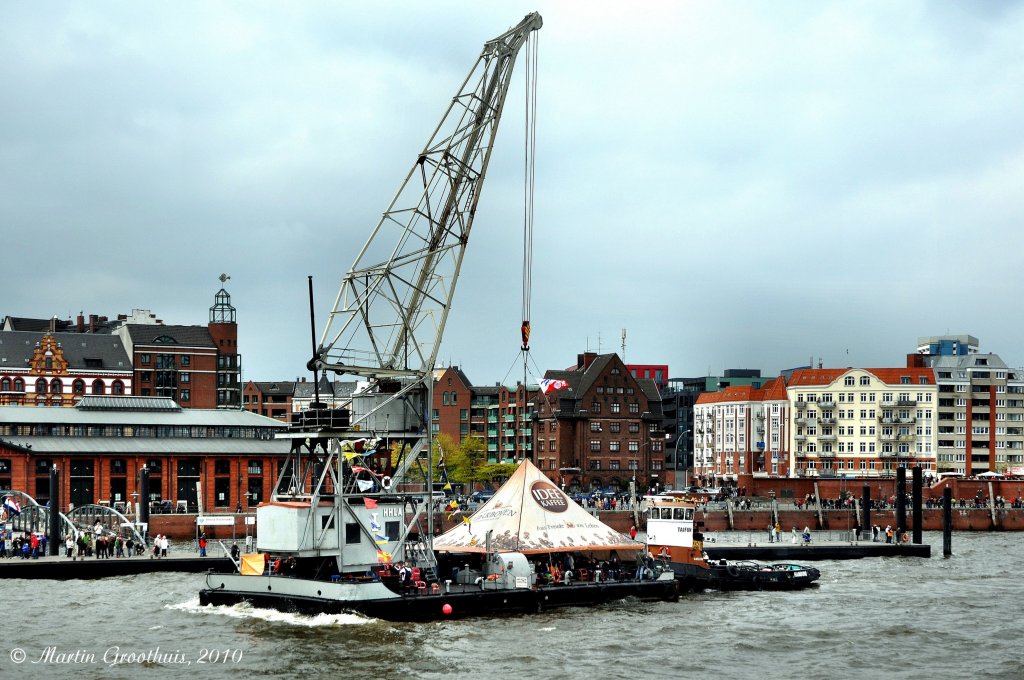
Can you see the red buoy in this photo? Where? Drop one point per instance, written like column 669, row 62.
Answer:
column 447, row 609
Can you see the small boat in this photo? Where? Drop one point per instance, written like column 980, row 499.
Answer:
column 672, row 539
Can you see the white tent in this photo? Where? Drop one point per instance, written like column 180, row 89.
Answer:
column 529, row 514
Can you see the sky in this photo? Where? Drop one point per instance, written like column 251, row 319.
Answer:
column 735, row 184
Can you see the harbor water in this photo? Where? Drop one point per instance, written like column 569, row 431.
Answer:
column 869, row 618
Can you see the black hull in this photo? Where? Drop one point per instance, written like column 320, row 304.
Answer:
column 463, row 604
column 745, row 576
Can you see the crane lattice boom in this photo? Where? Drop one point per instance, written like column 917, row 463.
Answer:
column 390, row 313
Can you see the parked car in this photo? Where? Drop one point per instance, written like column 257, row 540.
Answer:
column 481, row 496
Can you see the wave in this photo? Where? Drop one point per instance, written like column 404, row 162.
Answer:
column 246, row 611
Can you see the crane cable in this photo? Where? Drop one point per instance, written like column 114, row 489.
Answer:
column 529, row 156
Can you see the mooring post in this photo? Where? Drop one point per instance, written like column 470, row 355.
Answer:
column 54, row 541
column 918, row 478
column 142, row 510
column 901, row 501
column 865, row 525
column 947, row 522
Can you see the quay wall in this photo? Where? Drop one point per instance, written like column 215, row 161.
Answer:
column 183, row 526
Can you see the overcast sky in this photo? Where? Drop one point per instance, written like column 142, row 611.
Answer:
column 735, row 184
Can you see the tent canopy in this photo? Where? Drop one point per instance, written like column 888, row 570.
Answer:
column 530, row 515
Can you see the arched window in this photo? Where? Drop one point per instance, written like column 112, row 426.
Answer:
column 19, row 385
column 56, row 386
column 117, row 387
column 5, row 385
column 78, row 387
column 41, row 387
column 97, row 387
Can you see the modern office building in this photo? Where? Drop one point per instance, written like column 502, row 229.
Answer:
column 980, row 408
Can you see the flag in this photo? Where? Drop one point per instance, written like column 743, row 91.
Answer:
column 552, row 385
column 350, row 455
column 369, row 503
column 447, row 487
column 524, row 332
column 11, row 506
column 356, row 468
column 365, row 485
column 383, row 557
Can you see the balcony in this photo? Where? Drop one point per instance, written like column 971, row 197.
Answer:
column 826, row 438
column 826, row 454
column 826, row 421
column 800, row 421
column 886, row 419
column 908, row 421
column 509, row 433
column 492, row 419
column 907, row 402
column 800, row 437
column 887, row 454
column 760, row 429
column 800, row 403
column 887, row 437
column 906, row 437
column 826, row 403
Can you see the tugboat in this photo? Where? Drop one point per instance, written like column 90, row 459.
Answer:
column 671, row 538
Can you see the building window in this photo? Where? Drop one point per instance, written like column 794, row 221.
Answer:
column 185, row 377
column 56, row 387
column 634, row 408
column 186, row 395
column 444, row 398
column 614, row 446
column 616, row 407
column 595, row 426
column 98, row 387
column 186, row 360
column 144, row 359
column 595, row 445
column 595, row 407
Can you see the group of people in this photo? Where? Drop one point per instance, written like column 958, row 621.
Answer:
column 23, row 545
column 773, row 532
column 890, row 534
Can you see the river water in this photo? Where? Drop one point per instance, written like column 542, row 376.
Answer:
column 869, row 618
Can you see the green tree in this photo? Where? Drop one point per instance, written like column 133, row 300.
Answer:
column 466, row 463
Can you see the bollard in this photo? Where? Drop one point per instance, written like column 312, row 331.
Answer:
column 916, row 504
column 866, row 510
column 947, row 522
column 55, row 541
column 901, row 500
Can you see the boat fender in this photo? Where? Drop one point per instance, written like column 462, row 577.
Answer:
column 733, row 571
column 385, row 482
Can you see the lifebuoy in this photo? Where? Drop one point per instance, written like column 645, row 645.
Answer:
column 385, row 482
column 732, row 570
column 906, row 538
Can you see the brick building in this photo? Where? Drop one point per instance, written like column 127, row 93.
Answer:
column 603, row 430
column 197, row 366
column 100, row 444
column 498, row 415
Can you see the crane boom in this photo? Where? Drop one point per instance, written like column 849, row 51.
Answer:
column 389, row 315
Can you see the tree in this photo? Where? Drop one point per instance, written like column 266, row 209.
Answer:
column 466, row 463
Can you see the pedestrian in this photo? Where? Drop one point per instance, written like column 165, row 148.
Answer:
column 777, row 529
column 235, row 552
column 632, row 532
column 69, row 547
column 164, row 545
column 202, row 545
column 807, row 535
column 771, row 532
column 888, row 533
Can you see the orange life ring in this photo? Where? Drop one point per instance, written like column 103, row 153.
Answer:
column 906, row 537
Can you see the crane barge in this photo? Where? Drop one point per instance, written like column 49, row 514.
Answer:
column 350, row 524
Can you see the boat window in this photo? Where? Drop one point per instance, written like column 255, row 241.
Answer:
column 679, row 513
column 652, row 513
column 352, row 533
column 689, row 513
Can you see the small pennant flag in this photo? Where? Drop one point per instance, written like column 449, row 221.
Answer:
column 369, row 503
column 11, row 506
column 350, row 455
column 383, row 557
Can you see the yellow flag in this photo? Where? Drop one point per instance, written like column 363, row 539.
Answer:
column 349, row 455
column 252, row 564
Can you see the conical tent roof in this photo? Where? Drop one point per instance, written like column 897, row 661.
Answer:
column 529, row 514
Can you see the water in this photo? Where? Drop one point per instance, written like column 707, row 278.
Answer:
column 870, row 618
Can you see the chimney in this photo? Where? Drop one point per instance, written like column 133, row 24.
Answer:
column 584, row 360
column 81, row 323
column 92, row 323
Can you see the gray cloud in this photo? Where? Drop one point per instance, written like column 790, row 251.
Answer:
column 737, row 184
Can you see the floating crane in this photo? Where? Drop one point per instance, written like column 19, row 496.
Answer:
column 386, row 325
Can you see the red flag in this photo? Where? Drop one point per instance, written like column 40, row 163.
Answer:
column 369, row 503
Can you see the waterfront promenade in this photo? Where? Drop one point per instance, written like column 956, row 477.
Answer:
column 64, row 568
